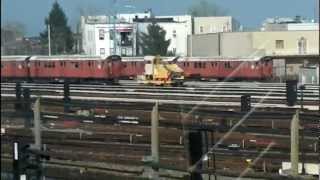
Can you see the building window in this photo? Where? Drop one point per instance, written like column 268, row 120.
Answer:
column 101, row 34
column 102, row 51
column 111, row 35
column 302, row 45
column 279, row 44
column 174, row 33
column 201, row 29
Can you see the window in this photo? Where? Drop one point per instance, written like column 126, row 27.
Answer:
column 76, row 65
column 61, row 63
column 187, row 64
column 201, row 29
column 102, row 51
column 111, row 34
column 174, row 33
column 101, row 34
column 302, row 45
column 204, row 65
column 279, row 44
column 227, row 65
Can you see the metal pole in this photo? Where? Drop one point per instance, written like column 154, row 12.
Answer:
column 37, row 124
column 155, row 139
column 294, row 156
column 114, row 28
column 49, row 39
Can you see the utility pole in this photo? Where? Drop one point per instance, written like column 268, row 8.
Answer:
column 114, row 28
column 294, row 156
column 49, row 39
column 155, row 139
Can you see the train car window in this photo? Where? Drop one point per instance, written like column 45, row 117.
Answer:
column 204, row 65
column 195, row 65
column 187, row 64
column 61, row 63
column 53, row 64
column 76, row 65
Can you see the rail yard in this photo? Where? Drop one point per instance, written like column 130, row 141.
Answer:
column 105, row 130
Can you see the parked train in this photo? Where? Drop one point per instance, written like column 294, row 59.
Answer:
column 110, row 69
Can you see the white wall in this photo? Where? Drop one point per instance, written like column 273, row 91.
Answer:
column 92, row 43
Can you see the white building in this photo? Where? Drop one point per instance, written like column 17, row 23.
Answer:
column 215, row 24
column 177, row 30
column 99, row 39
column 289, row 24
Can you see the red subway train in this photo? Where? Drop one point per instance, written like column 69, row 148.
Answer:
column 93, row 68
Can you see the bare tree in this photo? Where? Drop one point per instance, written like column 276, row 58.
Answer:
column 205, row 8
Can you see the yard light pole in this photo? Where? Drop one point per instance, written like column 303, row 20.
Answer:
column 49, row 40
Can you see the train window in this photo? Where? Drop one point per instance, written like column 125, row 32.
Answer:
column 76, row 65
column 227, row 65
column 124, row 65
column 257, row 63
column 195, row 65
column 61, row 63
column 53, row 64
column 188, row 64
column 184, row 64
column 204, row 65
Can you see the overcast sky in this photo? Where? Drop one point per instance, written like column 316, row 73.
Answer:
column 250, row 13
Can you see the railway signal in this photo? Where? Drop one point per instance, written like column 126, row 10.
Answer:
column 245, row 103
column 27, row 107
column 27, row 161
column 291, row 92
column 66, row 98
column 195, row 152
column 17, row 105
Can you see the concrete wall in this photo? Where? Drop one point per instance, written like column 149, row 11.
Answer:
column 203, row 45
column 267, row 41
column 236, row 44
column 253, row 43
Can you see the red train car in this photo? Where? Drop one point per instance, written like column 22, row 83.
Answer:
column 14, row 67
column 60, row 68
column 209, row 68
column 132, row 67
column 226, row 68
